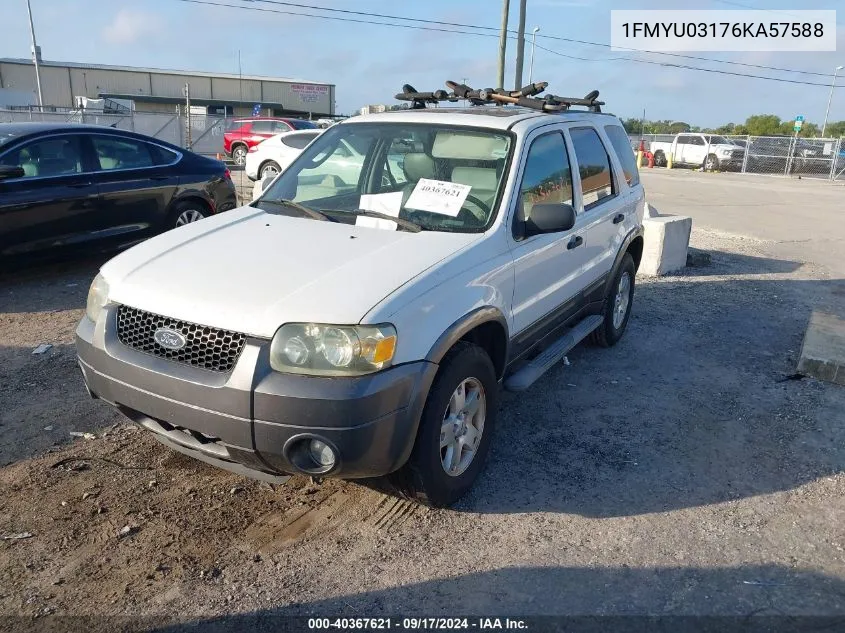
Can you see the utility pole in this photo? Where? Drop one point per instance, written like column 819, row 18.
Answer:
column 188, row 141
column 830, row 98
column 503, row 43
column 35, row 58
column 520, row 45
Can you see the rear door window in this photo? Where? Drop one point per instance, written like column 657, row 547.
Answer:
column 593, row 167
column 121, row 153
column 264, row 127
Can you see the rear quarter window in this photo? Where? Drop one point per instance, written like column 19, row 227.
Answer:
column 163, row 156
column 622, row 146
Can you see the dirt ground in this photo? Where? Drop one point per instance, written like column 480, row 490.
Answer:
column 684, row 471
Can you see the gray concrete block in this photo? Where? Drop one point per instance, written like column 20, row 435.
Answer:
column 666, row 240
column 823, row 350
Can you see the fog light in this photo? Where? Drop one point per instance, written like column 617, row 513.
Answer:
column 321, row 453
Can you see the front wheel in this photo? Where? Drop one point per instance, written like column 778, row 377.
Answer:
column 711, row 163
column 270, row 169
column 455, row 430
column 617, row 305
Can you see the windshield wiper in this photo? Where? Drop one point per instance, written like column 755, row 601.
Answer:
column 317, row 215
column 413, row 227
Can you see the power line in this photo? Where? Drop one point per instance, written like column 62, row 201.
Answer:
column 442, row 30
column 358, row 21
column 552, row 37
column 712, row 70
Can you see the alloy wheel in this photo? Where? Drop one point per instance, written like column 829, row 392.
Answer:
column 463, row 425
column 621, row 301
column 188, row 216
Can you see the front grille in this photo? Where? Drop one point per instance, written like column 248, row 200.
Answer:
column 205, row 347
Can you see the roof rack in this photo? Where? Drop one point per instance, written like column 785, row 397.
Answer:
column 525, row 97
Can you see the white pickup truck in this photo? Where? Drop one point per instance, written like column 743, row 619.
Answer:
column 709, row 151
column 362, row 327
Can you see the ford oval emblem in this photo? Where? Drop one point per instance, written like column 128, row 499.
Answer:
column 170, row 339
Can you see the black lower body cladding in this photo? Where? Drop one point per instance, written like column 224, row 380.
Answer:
column 251, row 419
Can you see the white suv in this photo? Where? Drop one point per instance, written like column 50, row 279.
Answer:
column 362, row 327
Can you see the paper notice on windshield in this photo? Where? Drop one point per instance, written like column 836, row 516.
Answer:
column 387, row 203
column 437, row 196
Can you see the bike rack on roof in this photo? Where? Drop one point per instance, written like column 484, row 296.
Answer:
column 524, row 97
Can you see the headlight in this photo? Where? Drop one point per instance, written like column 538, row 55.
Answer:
column 724, row 152
column 332, row 350
column 98, row 296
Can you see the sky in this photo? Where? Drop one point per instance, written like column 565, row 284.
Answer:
column 369, row 63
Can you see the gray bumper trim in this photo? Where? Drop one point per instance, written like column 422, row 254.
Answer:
column 253, row 416
column 238, row 469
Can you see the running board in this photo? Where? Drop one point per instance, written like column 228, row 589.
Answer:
column 528, row 375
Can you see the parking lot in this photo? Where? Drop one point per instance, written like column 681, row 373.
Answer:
column 685, row 471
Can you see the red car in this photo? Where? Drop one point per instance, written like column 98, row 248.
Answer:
column 243, row 134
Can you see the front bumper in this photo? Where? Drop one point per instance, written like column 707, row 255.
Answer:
column 251, row 419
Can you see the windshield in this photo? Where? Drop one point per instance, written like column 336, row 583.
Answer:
column 719, row 140
column 7, row 137
column 441, row 178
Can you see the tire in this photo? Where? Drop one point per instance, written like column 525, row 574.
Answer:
column 268, row 168
column 424, row 477
column 611, row 330
column 711, row 163
column 239, row 153
column 660, row 159
column 186, row 213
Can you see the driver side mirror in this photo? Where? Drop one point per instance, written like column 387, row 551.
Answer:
column 7, row 171
column 550, row 217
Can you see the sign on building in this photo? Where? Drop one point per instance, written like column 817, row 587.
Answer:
column 309, row 93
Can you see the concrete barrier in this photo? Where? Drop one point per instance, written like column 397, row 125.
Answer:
column 666, row 240
column 823, row 350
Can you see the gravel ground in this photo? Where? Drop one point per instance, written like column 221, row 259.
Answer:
column 680, row 472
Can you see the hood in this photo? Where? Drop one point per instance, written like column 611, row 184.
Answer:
column 250, row 271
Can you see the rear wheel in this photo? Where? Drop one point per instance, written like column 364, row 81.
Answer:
column 455, row 430
column 659, row 159
column 239, row 154
column 187, row 213
column 617, row 305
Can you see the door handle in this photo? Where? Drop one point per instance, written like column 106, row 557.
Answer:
column 575, row 242
column 80, row 185
column 618, row 218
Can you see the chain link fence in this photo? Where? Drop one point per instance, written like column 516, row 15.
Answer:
column 206, row 131
column 772, row 155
